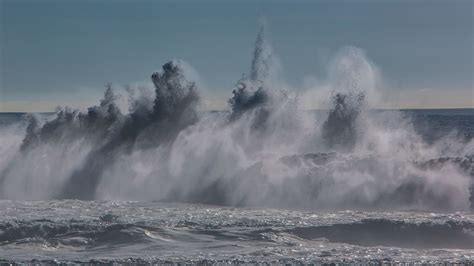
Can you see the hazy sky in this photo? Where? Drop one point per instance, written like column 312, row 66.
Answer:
column 64, row 51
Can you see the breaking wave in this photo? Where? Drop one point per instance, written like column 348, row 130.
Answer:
column 266, row 150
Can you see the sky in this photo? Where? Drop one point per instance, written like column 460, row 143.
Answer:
column 62, row 52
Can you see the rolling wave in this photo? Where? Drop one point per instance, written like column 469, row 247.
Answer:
column 105, row 234
column 389, row 233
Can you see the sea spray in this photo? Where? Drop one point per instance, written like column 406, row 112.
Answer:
column 107, row 132
column 253, row 93
column 175, row 107
column 265, row 151
column 261, row 97
column 340, row 130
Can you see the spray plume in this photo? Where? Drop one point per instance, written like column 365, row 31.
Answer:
column 265, row 151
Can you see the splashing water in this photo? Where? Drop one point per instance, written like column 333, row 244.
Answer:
column 265, row 151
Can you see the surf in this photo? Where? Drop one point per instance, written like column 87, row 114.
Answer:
column 264, row 150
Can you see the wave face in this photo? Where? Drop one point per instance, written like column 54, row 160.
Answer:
column 265, row 151
column 71, row 231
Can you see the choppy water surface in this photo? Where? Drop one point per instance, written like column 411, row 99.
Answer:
column 83, row 231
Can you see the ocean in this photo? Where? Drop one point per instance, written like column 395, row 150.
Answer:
column 225, row 191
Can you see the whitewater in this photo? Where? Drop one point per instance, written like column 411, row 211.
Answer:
column 267, row 180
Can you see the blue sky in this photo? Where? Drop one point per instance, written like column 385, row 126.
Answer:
column 64, row 51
